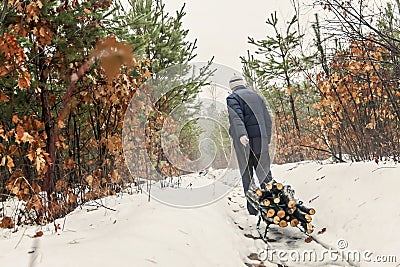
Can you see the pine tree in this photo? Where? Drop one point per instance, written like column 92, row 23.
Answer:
column 56, row 37
column 160, row 37
column 277, row 69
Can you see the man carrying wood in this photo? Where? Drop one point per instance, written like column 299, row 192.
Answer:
column 250, row 130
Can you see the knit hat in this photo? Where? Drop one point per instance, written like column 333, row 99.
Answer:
column 236, row 81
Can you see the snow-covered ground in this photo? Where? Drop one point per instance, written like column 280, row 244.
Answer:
column 355, row 202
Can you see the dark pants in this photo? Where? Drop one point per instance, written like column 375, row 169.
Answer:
column 250, row 159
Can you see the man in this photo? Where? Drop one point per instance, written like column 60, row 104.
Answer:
column 250, row 129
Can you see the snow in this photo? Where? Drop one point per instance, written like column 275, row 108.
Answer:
column 355, row 202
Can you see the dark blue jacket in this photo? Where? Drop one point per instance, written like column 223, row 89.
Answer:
column 248, row 115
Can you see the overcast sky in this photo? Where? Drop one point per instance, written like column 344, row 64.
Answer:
column 222, row 26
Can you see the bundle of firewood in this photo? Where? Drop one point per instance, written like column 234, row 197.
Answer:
column 277, row 205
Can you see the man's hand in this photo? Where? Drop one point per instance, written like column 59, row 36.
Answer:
column 244, row 140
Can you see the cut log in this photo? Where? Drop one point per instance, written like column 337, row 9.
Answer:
column 266, row 202
column 274, row 188
column 304, row 209
column 283, row 223
column 277, row 200
column 276, row 220
column 287, row 196
column 290, row 210
column 268, row 186
column 270, row 213
column 281, row 213
column 309, row 228
column 259, row 192
column 291, row 203
column 301, row 216
column 294, row 222
column 278, row 186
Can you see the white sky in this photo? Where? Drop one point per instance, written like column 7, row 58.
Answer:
column 222, row 26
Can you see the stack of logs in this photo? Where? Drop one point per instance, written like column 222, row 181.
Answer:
column 277, row 205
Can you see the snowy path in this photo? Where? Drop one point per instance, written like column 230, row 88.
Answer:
column 142, row 233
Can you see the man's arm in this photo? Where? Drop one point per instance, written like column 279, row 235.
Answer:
column 236, row 117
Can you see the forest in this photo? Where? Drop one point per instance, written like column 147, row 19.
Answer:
column 70, row 69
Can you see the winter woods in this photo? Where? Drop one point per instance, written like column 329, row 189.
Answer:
column 69, row 69
column 338, row 94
